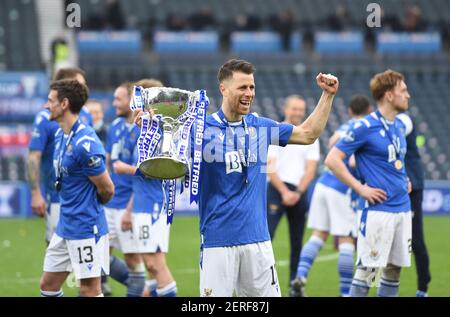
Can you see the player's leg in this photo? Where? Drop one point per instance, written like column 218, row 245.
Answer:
column 400, row 255
column 129, row 246
column 296, row 220
column 343, row 225
column 345, row 264
column 418, row 244
column 257, row 273
column 275, row 209
column 219, row 269
column 375, row 238
column 89, row 259
column 56, row 268
column 91, row 287
column 319, row 221
column 165, row 285
column 118, row 267
column 158, row 247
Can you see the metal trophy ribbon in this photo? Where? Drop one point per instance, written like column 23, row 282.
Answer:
column 164, row 139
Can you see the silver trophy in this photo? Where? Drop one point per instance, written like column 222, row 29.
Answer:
column 171, row 106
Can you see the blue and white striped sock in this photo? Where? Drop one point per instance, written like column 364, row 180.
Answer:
column 136, row 283
column 388, row 288
column 308, row 255
column 59, row 293
column 359, row 288
column 345, row 267
column 170, row 290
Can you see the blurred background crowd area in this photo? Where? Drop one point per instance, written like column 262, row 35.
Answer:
column 183, row 43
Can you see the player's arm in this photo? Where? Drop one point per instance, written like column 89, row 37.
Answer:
column 38, row 205
column 335, row 162
column 123, row 168
column 312, row 127
column 334, row 139
column 104, row 185
column 308, row 176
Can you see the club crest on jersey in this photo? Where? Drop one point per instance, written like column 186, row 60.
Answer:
column 252, row 132
column 233, row 163
column 69, row 149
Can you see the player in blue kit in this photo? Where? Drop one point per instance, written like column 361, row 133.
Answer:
column 331, row 212
column 379, row 145
column 80, row 243
column 236, row 252
column 149, row 223
column 41, row 174
column 120, row 145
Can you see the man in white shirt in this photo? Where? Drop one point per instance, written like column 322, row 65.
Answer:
column 291, row 170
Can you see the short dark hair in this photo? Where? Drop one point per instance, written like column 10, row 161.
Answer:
column 235, row 65
column 76, row 93
column 69, row 73
column 359, row 105
column 383, row 82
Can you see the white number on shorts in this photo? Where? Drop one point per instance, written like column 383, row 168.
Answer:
column 88, row 258
column 144, row 232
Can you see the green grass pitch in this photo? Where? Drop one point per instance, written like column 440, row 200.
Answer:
column 22, row 249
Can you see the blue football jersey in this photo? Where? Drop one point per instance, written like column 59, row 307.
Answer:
column 380, row 152
column 327, row 178
column 81, row 216
column 43, row 140
column 148, row 194
column 232, row 195
column 120, row 144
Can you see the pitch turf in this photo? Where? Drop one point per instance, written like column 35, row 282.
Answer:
column 22, row 250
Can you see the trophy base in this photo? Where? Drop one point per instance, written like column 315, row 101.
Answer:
column 163, row 168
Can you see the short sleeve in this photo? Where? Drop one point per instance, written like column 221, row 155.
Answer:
column 40, row 133
column 279, row 133
column 91, row 156
column 355, row 138
column 407, row 122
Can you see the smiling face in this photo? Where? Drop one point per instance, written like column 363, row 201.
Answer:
column 238, row 93
column 55, row 106
column 122, row 102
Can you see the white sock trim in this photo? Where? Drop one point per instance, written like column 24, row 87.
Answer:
column 347, row 247
column 316, row 239
column 169, row 287
column 59, row 293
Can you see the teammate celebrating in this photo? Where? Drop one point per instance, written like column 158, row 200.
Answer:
column 120, row 144
column 331, row 212
column 80, row 243
column 379, row 145
column 236, row 252
column 41, row 174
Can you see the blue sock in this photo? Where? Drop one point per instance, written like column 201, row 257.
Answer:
column 421, row 294
column 169, row 290
column 308, row 255
column 136, row 284
column 345, row 267
column 151, row 286
column 359, row 288
column 118, row 270
column 388, row 288
column 59, row 293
